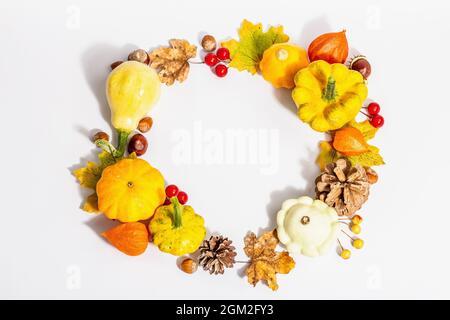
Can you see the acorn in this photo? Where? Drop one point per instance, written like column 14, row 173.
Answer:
column 362, row 65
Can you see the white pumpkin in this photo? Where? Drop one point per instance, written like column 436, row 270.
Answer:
column 307, row 226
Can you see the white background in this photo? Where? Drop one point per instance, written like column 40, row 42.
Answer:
column 54, row 59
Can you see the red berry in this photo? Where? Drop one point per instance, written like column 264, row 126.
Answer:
column 211, row 59
column 182, row 197
column 167, row 202
column 221, row 70
column 171, row 191
column 377, row 121
column 373, row 108
column 223, row 54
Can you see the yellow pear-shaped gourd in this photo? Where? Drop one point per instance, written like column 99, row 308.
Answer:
column 132, row 89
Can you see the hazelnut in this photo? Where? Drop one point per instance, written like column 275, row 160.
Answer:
column 145, row 124
column 100, row 136
column 372, row 176
column 139, row 55
column 116, row 64
column 188, row 265
column 209, row 43
column 137, row 144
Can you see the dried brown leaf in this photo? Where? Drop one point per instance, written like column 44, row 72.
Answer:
column 172, row 63
column 265, row 262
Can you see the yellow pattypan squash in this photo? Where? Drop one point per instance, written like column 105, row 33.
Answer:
column 281, row 62
column 328, row 96
column 177, row 229
column 130, row 190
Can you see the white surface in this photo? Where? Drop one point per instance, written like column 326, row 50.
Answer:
column 52, row 72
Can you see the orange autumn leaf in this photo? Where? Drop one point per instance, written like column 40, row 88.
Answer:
column 131, row 238
column 350, row 142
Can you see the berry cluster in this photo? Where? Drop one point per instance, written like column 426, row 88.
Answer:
column 357, row 243
column 373, row 110
column 218, row 59
column 173, row 191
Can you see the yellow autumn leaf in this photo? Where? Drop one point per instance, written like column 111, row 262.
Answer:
column 368, row 159
column 91, row 204
column 253, row 41
column 367, row 130
column 327, row 154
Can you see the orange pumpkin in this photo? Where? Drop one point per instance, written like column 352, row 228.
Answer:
column 330, row 47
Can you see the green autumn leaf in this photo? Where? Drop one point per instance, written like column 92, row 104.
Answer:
column 253, row 41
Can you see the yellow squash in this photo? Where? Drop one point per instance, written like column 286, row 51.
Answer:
column 130, row 190
column 328, row 96
column 281, row 62
column 177, row 229
column 132, row 89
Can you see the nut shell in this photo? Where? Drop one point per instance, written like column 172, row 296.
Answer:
column 100, row 136
column 189, row 266
column 139, row 55
column 209, row 43
column 145, row 124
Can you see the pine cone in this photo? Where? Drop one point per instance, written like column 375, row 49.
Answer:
column 216, row 254
column 343, row 186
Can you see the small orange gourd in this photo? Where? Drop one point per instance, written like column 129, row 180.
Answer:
column 331, row 47
column 350, row 142
column 131, row 238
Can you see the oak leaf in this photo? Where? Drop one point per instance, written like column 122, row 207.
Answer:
column 253, row 41
column 172, row 63
column 265, row 262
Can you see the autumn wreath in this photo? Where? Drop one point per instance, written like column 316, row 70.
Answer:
column 329, row 90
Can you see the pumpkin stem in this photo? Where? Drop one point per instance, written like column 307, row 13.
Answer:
column 123, row 139
column 329, row 94
column 178, row 208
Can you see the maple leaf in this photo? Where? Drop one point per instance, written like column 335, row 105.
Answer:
column 265, row 263
column 89, row 175
column 253, row 41
column 172, row 63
